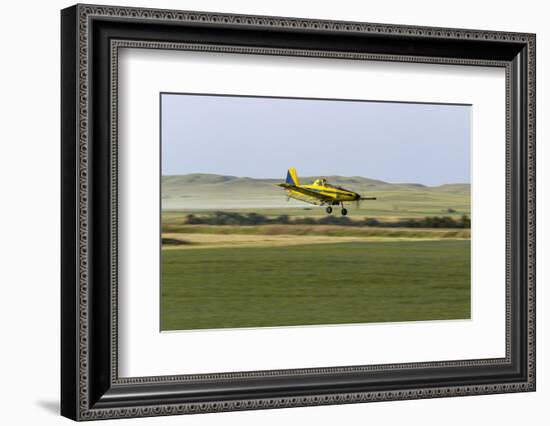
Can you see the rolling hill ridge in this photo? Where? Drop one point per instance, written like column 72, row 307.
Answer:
column 195, row 183
column 209, row 192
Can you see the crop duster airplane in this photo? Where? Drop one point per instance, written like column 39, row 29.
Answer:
column 320, row 192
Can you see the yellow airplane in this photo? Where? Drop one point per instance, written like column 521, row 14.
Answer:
column 320, row 192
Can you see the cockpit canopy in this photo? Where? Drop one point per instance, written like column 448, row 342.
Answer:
column 320, row 182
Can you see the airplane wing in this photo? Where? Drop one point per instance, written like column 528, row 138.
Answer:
column 306, row 191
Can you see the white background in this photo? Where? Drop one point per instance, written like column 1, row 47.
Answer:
column 29, row 225
column 146, row 352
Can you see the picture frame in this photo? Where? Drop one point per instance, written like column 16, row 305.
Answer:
column 91, row 37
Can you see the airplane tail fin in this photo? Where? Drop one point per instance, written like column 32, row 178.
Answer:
column 292, row 177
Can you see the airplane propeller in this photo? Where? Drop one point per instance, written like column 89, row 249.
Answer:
column 359, row 199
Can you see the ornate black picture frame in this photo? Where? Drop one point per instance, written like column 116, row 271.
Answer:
column 91, row 36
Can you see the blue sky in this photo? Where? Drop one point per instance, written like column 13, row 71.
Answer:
column 262, row 137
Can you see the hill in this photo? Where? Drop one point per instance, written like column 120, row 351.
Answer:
column 201, row 191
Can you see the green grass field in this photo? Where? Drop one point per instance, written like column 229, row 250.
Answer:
column 335, row 283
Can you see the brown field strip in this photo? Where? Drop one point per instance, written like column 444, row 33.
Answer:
column 186, row 241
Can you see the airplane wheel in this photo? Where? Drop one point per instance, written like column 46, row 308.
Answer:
column 344, row 212
column 329, row 210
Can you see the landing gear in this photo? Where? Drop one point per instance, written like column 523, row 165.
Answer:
column 343, row 211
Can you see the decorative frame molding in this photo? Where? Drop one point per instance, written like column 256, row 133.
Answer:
column 91, row 37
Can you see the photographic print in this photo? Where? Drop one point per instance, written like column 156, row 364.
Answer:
column 296, row 211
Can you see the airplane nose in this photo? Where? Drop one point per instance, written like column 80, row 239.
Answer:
column 357, row 196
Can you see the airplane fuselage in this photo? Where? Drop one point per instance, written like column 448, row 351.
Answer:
column 328, row 194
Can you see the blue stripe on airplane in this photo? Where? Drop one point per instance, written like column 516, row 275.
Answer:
column 289, row 178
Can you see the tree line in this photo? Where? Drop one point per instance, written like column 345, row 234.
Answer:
column 243, row 219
